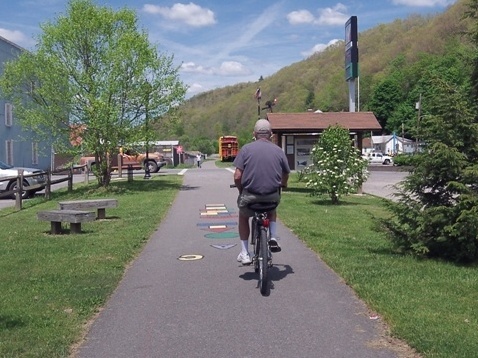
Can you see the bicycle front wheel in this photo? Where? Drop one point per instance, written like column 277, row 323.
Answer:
column 263, row 261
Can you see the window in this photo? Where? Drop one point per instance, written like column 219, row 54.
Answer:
column 310, row 142
column 9, row 151
column 34, row 153
column 8, row 114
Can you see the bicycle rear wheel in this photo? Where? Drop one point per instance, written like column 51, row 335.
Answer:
column 263, row 261
column 255, row 241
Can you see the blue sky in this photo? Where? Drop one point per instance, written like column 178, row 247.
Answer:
column 222, row 42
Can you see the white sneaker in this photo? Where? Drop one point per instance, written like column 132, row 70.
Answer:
column 244, row 258
column 274, row 245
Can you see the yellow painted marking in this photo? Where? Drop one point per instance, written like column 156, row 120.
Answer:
column 190, row 257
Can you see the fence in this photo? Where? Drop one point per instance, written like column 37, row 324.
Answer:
column 66, row 176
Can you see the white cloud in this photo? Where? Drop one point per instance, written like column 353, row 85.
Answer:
column 190, row 14
column 300, row 17
column 333, row 15
column 17, row 37
column 329, row 16
column 191, row 67
column 227, row 68
column 423, row 3
column 251, row 30
column 195, row 88
column 233, row 68
column 319, row 48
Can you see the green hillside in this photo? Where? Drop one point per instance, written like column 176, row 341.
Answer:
column 403, row 49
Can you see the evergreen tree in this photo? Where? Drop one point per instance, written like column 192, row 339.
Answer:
column 437, row 211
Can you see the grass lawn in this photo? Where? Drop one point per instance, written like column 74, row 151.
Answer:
column 432, row 305
column 52, row 285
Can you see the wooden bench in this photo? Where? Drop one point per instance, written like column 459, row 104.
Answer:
column 74, row 217
column 99, row 204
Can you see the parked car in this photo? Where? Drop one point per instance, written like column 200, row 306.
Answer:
column 378, row 158
column 9, row 171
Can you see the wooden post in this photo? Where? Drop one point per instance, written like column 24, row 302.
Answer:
column 87, row 174
column 48, row 185
column 130, row 173
column 18, row 196
column 70, row 180
column 120, row 166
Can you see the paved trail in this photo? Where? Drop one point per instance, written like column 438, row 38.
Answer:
column 209, row 305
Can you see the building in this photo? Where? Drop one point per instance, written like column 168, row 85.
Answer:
column 18, row 145
column 392, row 144
column 297, row 133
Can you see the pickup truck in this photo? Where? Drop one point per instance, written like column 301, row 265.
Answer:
column 155, row 161
column 378, row 158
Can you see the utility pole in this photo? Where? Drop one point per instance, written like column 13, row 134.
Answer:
column 419, row 107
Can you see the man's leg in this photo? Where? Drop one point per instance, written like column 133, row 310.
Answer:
column 273, row 230
column 244, row 231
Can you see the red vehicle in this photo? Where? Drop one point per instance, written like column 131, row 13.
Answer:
column 228, row 148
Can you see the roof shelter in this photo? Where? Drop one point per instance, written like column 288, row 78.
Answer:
column 297, row 133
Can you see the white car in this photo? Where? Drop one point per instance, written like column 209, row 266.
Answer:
column 378, row 158
column 11, row 172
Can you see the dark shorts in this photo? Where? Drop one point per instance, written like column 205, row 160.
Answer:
column 246, row 198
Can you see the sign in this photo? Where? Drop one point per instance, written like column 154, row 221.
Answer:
column 351, row 48
column 179, row 149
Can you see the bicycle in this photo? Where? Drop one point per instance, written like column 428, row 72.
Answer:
column 260, row 237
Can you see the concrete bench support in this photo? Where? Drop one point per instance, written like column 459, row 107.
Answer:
column 99, row 204
column 74, row 217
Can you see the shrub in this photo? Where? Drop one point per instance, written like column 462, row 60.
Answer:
column 338, row 167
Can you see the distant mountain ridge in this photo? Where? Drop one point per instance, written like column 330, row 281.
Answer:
column 318, row 82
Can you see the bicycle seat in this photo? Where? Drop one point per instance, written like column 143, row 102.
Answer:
column 263, row 206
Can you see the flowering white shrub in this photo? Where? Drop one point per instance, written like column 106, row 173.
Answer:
column 338, row 168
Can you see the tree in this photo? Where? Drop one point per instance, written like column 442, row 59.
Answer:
column 338, row 167
column 437, row 211
column 386, row 97
column 95, row 73
column 436, row 214
column 309, row 101
column 472, row 13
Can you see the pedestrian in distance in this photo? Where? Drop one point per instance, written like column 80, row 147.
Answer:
column 261, row 171
column 198, row 159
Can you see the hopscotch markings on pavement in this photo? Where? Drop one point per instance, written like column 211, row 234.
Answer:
column 228, row 223
column 220, row 229
column 222, row 235
column 224, row 247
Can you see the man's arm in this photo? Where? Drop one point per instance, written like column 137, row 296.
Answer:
column 285, row 179
column 237, row 179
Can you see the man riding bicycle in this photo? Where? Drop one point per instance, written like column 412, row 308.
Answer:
column 261, row 170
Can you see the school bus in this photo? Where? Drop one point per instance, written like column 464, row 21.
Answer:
column 228, row 148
